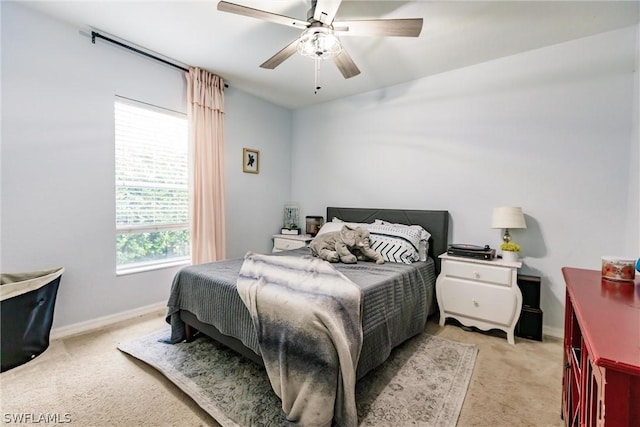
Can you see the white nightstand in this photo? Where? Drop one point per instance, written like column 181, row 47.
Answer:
column 285, row 242
column 480, row 293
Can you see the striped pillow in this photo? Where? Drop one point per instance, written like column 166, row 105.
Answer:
column 395, row 244
column 423, row 249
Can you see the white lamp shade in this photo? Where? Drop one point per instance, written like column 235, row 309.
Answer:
column 508, row 217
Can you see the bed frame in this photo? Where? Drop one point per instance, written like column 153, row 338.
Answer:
column 435, row 222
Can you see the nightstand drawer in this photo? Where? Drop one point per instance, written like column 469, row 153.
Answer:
column 280, row 244
column 478, row 272
column 484, row 302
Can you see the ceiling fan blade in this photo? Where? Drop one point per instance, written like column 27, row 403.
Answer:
column 224, row 6
column 281, row 56
column 345, row 64
column 380, row 27
column 326, row 10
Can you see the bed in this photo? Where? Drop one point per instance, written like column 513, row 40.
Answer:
column 204, row 298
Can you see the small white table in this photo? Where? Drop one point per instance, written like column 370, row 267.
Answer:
column 480, row 293
column 285, row 242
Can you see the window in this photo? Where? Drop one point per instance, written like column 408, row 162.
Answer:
column 152, row 195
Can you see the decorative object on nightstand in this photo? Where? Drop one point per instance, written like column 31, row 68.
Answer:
column 508, row 218
column 480, row 293
column 471, row 251
column 510, row 251
column 314, row 223
column 286, row 242
column 291, row 219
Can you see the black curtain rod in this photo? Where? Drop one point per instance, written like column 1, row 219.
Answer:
column 95, row 35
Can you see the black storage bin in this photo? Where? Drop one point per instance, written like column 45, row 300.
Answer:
column 26, row 314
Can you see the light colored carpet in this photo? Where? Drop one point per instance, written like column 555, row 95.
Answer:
column 423, row 383
column 98, row 386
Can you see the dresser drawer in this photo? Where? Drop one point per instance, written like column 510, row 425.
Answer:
column 478, row 272
column 280, row 244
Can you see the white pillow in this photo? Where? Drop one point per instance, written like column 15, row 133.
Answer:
column 328, row 227
column 336, row 225
column 423, row 246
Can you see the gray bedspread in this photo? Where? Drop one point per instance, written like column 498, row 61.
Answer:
column 396, row 298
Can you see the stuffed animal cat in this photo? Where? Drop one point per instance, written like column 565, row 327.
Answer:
column 347, row 245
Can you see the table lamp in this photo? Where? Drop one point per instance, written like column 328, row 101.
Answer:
column 507, row 217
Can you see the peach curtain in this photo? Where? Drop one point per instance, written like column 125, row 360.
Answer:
column 205, row 111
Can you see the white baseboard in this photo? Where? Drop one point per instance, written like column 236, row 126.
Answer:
column 553, row 332
column 100, row 322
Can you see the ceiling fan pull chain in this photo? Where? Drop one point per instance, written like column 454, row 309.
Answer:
column 317, row 75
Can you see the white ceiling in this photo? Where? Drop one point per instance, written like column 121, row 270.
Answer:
column 455, row 34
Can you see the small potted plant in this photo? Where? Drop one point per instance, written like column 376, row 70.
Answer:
column 510, row 251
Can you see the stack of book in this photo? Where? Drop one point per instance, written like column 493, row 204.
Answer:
column 290, row 231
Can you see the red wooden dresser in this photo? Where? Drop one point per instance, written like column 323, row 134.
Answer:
column 601, row 380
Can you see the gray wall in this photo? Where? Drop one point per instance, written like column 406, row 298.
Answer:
column 255, row 202
column 549, row 130
column 57, row 160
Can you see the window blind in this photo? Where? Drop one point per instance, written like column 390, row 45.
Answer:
column 151, row 168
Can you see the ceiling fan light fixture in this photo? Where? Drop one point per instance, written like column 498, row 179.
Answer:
column 319, row 43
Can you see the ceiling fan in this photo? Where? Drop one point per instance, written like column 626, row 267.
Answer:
column 319, row 40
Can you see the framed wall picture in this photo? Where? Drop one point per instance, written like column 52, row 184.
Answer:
column 250, row 160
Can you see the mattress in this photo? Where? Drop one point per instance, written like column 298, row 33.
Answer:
column 396, row 299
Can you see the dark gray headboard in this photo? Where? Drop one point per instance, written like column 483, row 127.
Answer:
column 435, row 222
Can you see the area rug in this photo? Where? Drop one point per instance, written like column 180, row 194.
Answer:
column 423, row 383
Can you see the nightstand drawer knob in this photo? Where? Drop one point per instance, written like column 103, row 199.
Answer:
column 476, row 274
column 476, row 303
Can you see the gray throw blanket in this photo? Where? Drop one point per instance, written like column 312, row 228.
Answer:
column 308, row 319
